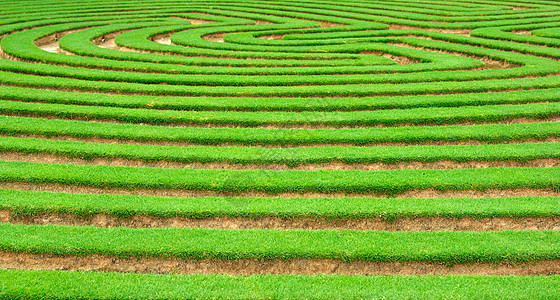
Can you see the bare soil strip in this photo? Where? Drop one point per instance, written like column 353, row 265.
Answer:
column 399, row 59
column 162, row 39
column 443, row 164
column 215, row 37
column 261, row 22
column 378, row 224
column 427, row 193
column 326, row 24
column 464, row 32
column 522, row 32
column 272, row 37
column 195, row 21
column 104, row 263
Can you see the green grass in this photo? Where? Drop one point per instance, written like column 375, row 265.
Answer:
column 353, row 181
column 197, row 243
column 34, row 202
column 213, row 136
column 289, row 156
column 279, row 103
column 356, row 89
column 17, row 284
column 415, row 116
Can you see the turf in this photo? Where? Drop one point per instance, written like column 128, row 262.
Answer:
column 12, row 125
column 17, row 284
column 352, row 181
column 35, row 202
column 288, row 156
column 197, row 243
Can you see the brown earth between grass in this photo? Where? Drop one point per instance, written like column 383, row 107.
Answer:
column 464, row 32
column 195, row 21
column 399, row 59
column 215, row 37
column 104, row 263
column 522, row 32
column 277, row 37
column 378, row 224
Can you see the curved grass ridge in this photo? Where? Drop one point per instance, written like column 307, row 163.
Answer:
column 16, row 284
column 12, row 125
column 34, row 202
column 348, row 90
column 289, row 156
column 353, row 181
column 370, row 40
column 487, row 113
column 195, row 243
column 279, row 103
column 85, row 285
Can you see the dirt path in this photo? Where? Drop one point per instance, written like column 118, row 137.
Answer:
column 104, row 263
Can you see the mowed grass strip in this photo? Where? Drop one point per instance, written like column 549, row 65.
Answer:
column 278, row 103
column 20, row 284
column 447, row 115
column 279, row 136
column 447, row 87
column 288, row 156
column 24, row 203
column 391, row 182
column 198, row 243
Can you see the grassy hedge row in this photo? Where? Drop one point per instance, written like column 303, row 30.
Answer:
column 266, row 136
column 279, row 103
column 353, row 181
column 417, row 88
column 288, row 156
column 34, row 202
column 19, row 284
column 416, row 116
column 444, row 246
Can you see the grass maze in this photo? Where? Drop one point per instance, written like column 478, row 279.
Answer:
column 315, row 149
